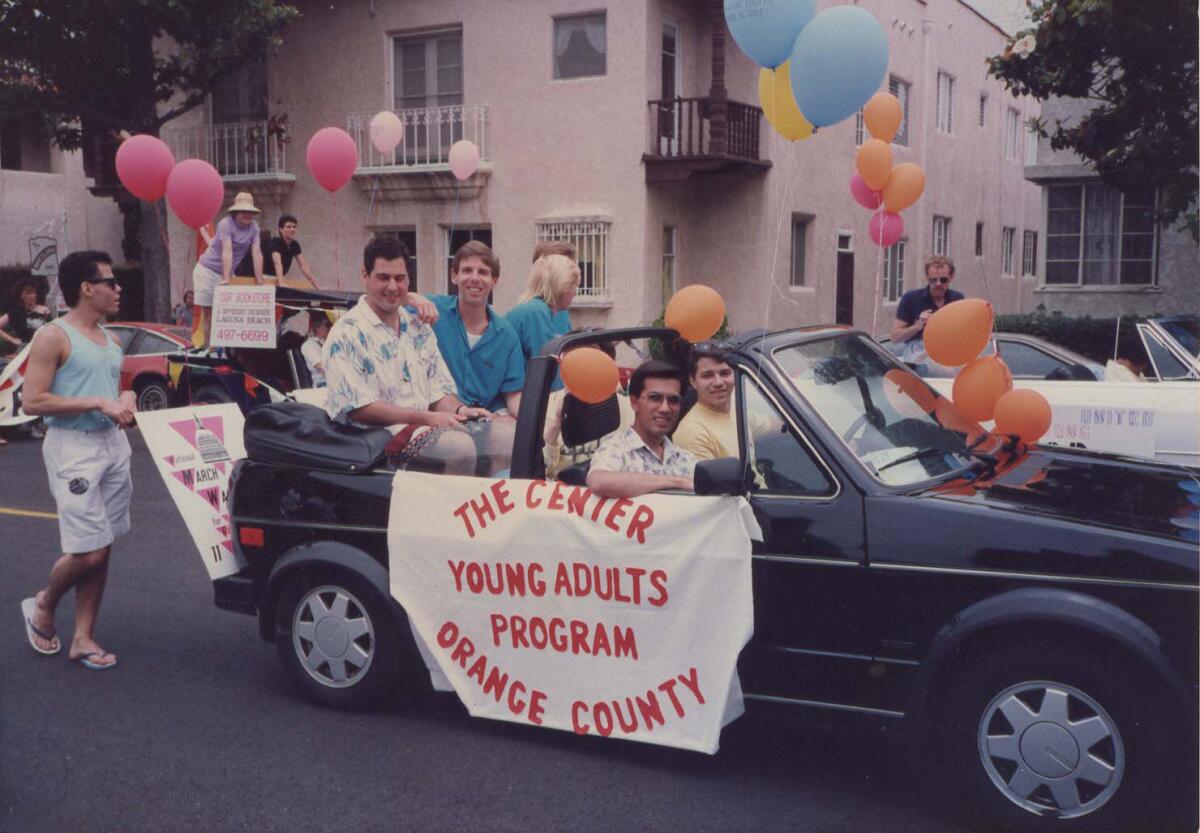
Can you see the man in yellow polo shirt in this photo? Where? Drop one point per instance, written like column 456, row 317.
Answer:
column 709, row 430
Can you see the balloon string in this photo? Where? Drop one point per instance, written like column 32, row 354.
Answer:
column 879, row 276
column 371, row 207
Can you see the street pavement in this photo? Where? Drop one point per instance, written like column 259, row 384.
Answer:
column 199, row 728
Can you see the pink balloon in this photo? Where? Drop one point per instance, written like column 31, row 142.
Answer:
column 862, row 193
column 464, row 159
column 386, row 131
column 195, row 192
column 332, row 157
column 885, row 228
column 143, row 164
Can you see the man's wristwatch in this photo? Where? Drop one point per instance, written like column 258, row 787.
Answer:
column 459, row 408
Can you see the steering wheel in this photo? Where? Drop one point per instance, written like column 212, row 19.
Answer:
column 873, row 417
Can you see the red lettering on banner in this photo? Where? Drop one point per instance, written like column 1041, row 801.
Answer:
column 599, row 505
column 483, row 511
column 692, row 681
column 515, row 705
column 529, row 501
column 624, row 645
column 580, row 728
column 658, row 580
column 600, row 644
column 650, row 710
column 562, row 581
column 518, row 633
column 514, row 575
column 500, row 493
column 602, row 714
column 636, row 574
column 578, row 501
column 617, row 512
column 456, row 570
column 447, row 634
column 668, row 688
column 477, row 668
column 499, row 626
column 583, row 579
column 631, row 726
column 464, row 649
column 556, row 498
column 537, row 708
column 618, row 596
column 643, row 517
column 557, row 640
column 537, row 585
column 574, row 636
column 579, row 635
column 475, row 577
column 461, row 512
column 496, row 682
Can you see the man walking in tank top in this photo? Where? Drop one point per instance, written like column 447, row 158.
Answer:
column 73, row 381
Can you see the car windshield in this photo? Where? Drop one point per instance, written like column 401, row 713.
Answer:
column 1184, row 331
column 900, row 429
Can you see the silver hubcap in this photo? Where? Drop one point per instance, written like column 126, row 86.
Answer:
column 152, row 400
column 333, row 636
column 1051, row 749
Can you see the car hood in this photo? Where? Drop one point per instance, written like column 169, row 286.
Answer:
column 1099, row 490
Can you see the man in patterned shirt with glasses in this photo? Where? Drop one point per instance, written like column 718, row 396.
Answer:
column 642, row 458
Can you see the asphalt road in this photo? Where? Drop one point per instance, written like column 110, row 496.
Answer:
column 199, row 729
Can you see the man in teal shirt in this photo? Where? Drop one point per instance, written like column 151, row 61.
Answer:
column 481, row 349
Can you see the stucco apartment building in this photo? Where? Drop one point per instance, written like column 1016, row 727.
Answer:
column 632, row 128
column 46, row 208
column 1104, row 255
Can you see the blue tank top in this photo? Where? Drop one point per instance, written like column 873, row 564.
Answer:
column 90, row 370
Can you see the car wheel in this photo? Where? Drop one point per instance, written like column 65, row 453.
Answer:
column 152, row 395
column 1054, row 738
column 338, row 641
column 210, row 395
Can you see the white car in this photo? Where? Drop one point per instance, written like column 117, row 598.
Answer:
column 1158, row 418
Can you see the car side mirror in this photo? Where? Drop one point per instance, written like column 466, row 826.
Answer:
column 723, row 476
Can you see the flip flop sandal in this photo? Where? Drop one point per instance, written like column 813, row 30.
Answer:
column 28, row 608
column 83, row 659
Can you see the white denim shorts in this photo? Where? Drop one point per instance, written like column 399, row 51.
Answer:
column 204, row 284
column 90, row 480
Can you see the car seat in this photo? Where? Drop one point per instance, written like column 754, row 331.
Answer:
column 584, row 423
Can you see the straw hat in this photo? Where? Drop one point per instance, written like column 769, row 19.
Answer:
column 243, row 202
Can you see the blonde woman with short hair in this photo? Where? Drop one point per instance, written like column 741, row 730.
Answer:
column 541, row 311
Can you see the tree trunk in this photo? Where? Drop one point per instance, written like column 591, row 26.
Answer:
column 156, row 264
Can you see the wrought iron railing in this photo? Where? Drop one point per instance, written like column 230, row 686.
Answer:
column 429, row 133
column 683, row 127
column 244, row 148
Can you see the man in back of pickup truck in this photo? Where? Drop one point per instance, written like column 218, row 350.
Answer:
column 383, row 368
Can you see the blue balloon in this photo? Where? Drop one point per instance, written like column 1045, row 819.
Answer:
column 838, row 63
column 767, row 29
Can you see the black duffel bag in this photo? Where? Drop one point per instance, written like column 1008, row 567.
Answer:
column 294, row 434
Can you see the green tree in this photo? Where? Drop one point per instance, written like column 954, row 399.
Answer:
column 94, row 67
column 1134, row 63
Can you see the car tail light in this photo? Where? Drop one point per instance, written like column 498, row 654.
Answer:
column 251, row 536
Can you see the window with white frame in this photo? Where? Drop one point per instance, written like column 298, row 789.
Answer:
column 945, row 102
column 580, row 46
column 941, row 235
column 1099, row 236
column 590, row 238
column 893, row 270
column 901, row 89
column 860, row 129
column 1029, row 254
column 1031, row 142
column 983, row 109
column 428, row 70
column 799, row 250
column 241, row 95
column 1007, row 238
column 1012, row 133
column 668, row 263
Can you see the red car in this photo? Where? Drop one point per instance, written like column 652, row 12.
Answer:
column 144, row 369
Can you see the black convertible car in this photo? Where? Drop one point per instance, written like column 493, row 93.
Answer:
column 1027, row 615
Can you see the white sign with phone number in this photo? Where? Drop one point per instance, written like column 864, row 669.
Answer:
column 243, row 316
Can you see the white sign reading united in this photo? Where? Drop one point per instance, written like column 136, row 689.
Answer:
column 243, row 316
column 548, row 605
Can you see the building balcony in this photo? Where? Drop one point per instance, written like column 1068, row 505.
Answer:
column 249, row 155
column 691, row 136
column 418, row 170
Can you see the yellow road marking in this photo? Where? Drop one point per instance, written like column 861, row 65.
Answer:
column 28, row 513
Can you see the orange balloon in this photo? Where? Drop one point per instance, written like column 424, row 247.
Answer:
column 979, row 385
column 905, row 185
column 951, row 418
column 882, row 115
column 1025, row 413
column 958, row 332
column 907, row 394
column 874, row 163
column 590, row 374
column 696, row 312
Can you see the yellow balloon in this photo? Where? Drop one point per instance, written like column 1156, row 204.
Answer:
column 779, row 104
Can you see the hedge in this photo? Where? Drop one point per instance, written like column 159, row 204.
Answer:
column 1091, row 337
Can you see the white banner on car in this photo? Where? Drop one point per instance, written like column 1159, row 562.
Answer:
column 195, row 449
column 244, row 316
column 1121, row 430
column 545, row 604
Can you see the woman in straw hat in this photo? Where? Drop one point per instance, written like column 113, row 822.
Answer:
column 236, row 234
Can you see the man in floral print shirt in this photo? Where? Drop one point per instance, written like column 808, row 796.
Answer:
column 383, row 368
